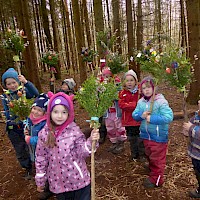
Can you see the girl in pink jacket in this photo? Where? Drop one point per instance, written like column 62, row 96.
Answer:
column 61, row 152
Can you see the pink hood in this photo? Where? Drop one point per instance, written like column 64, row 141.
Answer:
column 70, row 119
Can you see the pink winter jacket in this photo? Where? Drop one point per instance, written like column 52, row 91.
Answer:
column 64, row 165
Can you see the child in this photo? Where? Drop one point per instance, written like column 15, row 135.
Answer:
column 61, row 152
column 116, row 132
column 153, row 130
column 34, row 124
column 11, row 81
column 128, row 99
column 67, row 86
column 192, row 129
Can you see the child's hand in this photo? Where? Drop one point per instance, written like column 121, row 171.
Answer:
column 40, row 188
column 199, row 104
column 26, row 132
column 186, row 127
column 145, row 114
column 148, row 118
column 95, row 134
column 22, row 79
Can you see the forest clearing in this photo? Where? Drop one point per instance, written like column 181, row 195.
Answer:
column 52, row 43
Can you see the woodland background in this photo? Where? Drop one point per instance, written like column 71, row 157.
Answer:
column 69, row 26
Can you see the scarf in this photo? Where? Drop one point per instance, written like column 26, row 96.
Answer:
column 38, row 120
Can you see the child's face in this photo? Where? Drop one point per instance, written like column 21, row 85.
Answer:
column 130, row 82
column 147, row 89
column 11, row 84
column 37, row 112
column 59, row 114
column 64, row 87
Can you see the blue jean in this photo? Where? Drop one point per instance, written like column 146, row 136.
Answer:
column 16, row 137
column 81, row 194
column 196, row 166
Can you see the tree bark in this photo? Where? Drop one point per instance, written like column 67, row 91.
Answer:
column 79, row 39
column 193, row 16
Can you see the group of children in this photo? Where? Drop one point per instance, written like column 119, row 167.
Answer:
column 51, row 140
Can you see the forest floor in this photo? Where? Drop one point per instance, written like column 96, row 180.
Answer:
column 117, row 178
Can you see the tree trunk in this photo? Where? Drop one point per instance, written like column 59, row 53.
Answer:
column 87, row 25
column 116, row 25
column 183, row 25
column 129, row 18
column 98, row 15
column 193, row 16
column 56, row 41
column 79, row 40
column 30, row 52
column 46, row 23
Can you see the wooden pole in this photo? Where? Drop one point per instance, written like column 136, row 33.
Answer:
column 93, row 171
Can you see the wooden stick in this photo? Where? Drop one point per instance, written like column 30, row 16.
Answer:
column 93, row 171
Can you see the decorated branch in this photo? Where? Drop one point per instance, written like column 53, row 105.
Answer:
column 96, row 97
column 171, row 65
column 14, row 41
column 20, row 107
column 51, row 58
column 116, row 62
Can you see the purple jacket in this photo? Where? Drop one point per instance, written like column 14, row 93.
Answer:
column 64, row 165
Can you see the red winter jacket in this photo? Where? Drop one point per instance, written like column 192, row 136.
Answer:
column 128, row 102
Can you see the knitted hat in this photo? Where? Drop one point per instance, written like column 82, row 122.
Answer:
column 147, row 79
column 41, row 101
column 70, row 82
column 59, row 100
column 132, row 73
column 107, row 72
column 10, row 73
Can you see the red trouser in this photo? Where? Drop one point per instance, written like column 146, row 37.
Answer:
column 156, row 154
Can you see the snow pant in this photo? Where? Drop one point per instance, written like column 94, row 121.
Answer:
column 116, row 132
column 196, row 166
column 156, row 155
column 16, row 136
column 136, row 143
column 102, row 128
column 81, row 194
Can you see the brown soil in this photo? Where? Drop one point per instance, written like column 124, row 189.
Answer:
column 116, row 177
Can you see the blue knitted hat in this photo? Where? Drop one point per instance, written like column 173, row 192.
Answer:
column 10, row 73
column 41, row 101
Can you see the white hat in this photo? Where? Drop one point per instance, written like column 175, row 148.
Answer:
column 70, row 82
column 132, row 73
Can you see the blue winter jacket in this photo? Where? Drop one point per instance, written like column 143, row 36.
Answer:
column 33, row 131
column 161, row 116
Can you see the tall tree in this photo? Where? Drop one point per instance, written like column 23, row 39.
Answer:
column 87, row 24
column 129, row 18
column 116, row 25
column 139, row 31
column 183, row 25
column 30, row 53
column 79, row 39
column 46, row 22
column 193, row 16
column 56, row 41
column 98, row 15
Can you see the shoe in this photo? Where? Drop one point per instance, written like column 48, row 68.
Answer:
column 45, row 195
column 119, row 148
column 28, row 174
column 148, row 184
column 194, row 194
